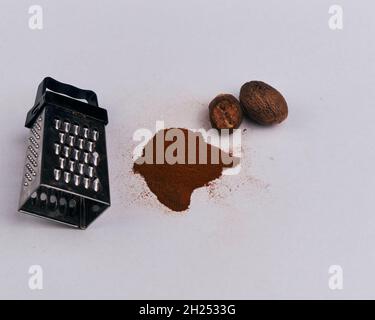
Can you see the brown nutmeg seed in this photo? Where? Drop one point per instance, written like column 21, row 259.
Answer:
column 225, row 112
column 263, row 103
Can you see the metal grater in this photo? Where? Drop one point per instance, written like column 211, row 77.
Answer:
column 66, row 173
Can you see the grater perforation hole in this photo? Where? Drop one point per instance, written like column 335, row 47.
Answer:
column 85, row 157
column 90, row 145
column 66, row 126
column 80, row 143
column 62, row 163
column 77, row 180
column 61, row 137
column 86, row 182
column 71, row 140
column 67, row 176
column 76, row 129
column 34, row 197
column 57, row 148
column 90, row 171
column 72, row 203
column 43, row 197
column 53, row 199
column 96, row 184
column 57, row 174
column 52, row 202
column 66, row 151
column 81, row 168
column 95, row 158
column 75, row 154
column 63, row 205
column 95, row 134
column 57, row 123
column 86, row 132
column 71, row 165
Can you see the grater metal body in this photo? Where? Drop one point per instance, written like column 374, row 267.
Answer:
column 66, row 172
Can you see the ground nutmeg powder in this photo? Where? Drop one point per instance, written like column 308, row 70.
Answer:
column 174, row 183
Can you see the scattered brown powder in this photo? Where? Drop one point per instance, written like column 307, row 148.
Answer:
column 173, row 184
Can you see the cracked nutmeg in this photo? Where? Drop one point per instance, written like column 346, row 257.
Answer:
column 262, row 103
column 225, row 112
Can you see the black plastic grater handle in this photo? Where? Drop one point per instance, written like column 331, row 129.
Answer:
column 67, row 89
column 57, row 88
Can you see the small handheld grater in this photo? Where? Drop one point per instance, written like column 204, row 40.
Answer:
column 66, row 173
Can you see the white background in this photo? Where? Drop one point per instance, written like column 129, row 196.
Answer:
column 304, row 199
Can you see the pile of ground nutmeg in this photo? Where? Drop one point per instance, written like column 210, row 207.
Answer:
column 174, row 168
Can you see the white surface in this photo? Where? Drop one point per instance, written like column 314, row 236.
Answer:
column 304, row 200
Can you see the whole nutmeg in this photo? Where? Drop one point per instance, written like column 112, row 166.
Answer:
column 263, row 103
column 225, row 112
